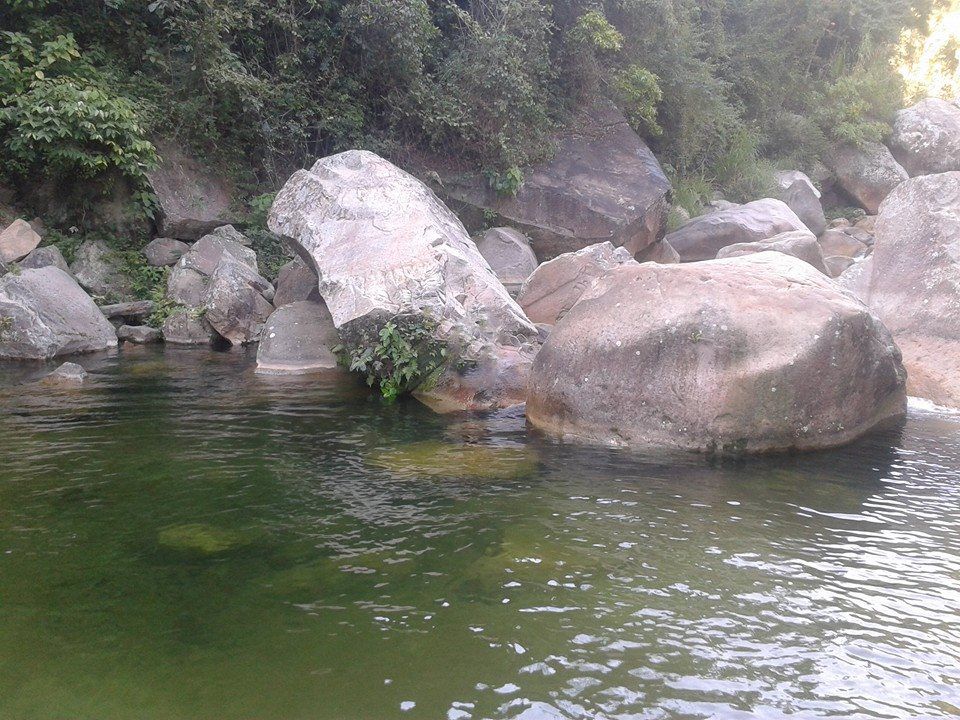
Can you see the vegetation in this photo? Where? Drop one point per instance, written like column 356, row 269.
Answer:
column 721, row 89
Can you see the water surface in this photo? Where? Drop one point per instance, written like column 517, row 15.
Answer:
column 183, row 539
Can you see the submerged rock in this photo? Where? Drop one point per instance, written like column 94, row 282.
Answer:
column 750, row 354
column 45, row 313
column 298, row 338
column 17, row 240
column 384, row 246
column 433, row 458
column 67, row 373
column 200, row 539
column 926, row 137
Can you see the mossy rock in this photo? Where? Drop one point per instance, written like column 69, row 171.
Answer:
column 200, row 539
column 443, row 459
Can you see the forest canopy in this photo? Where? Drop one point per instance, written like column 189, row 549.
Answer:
column 722, row 90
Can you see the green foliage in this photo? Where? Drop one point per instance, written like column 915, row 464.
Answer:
column 67, row 244
column 858, row 107
column 398, row 358
column 163, row 306
column 507, row 183
column 271, row 255
column 6, row 325
column 638, row 91
column 691, row 192
column 592, row 30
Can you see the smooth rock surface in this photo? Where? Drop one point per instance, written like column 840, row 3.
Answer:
column 205, row 254
column 508, row 253
column 926, row 137
column 235, row 301
column 660, row 252
column 163, row 252
column 49, row 256
column 704, row 236
column 296, row 281
column 68, row 372
column 557, row 285
column 17, row 240
column 298, row 338
column 751, row 354
column 186, row 286
column 841, row 241
column 867, row 174
column 45, row 313
column 801, row 196
column 139, row 334
column 188, row 327
column 838, row 264
column 96, row 267
column 801, row 244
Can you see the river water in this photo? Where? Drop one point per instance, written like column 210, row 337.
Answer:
column 183, row 539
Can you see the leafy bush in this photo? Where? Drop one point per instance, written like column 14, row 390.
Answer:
column 639, row 93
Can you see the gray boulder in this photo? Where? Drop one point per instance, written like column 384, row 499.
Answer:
column 134, row 310
column 97, row 269
column 557, row 285
column 508, row 253
column 385, row 246
column 45, row 313
column 743, row 355
column 186, row 286
column 801, row 196
column 926, row 137
column 188, row 327
column 843, row 242
column 139, row 334
column 68, row 372
column 800, row 244
column 205, row 254
column 235, row 301
column 17, row 240
column 49, row 256
column 296, row 281
column 868, row 174
column 704, row 236
column 298, row 338
column 163, row 252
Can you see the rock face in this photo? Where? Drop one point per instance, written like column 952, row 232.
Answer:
column 193, row 199
column 44, row 313
column 926, row 137
column 801, row 244
column 751, row 354
column 162, row 252
column 235, row 301
column 801, row 196
column 868, row 174
column 296, row 281
column 298, row 338
column 17, row 240
column 704, row 236
column 508, row 253
column 97, row 271
column 602, row 184
column 914, row 284
column 383, row 245
column 557, row 285
column 48, row 256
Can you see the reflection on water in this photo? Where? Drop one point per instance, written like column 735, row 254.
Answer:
column 182, row 538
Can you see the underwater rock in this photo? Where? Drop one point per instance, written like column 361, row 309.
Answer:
column 432, row 458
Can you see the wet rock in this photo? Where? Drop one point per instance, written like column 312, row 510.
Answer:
column 200, row 539
column 800, row 195
column 17, row 240
column 45, row 313
column 926, row 137
column 800, row 244
column 163, row 252
column 867, row 174
column 49, row 256
column 96, row 267
column 456, row 460
column 750, row 354
column 557, row 285
column 236, row 302
column 298, row 338
column 296, row 281
column 385, row 246
column 508, row 253
column 704, row 236
column 188, row 327
column 67, row 373
column 139, row 334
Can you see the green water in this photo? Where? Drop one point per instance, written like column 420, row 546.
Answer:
column 181, row 538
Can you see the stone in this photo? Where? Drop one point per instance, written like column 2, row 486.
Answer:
column 704, row 236
column 914, row 284
column 96, row 267
column 557, row 285
column 926, row 137
column 601, row 184
column 434, row 458
column 68, row 372
column 842, row 241
column 752, row 354
column 660, row 252
column 801, row 196
column 229, row 232
column 235, row 302
column 49, row 256
column 188, row 327
column 296, row 281
column 163, row 252
column 193, row 199
column 868, row 224
column 129, row 310
column 45, row 313
column 186, row 286
column 837, row 264
column 856, row 278
column 801, row 244
column 840, row 222
column 385, row 247
column 17, row 240
column 298, row 338
column 205, row 254
column 139, row 334
column 718, row 204
column 508, row 253
column 867, row 174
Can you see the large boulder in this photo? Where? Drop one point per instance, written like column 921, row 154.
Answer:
column 17, row 240
column 509, row 255
column 45, row 313
column 235, row 301
column 801, row 196
column 188, row 327
column 601, row 184
column 193, row 198
column 296, row 281
column 49, row 256
column 97, row 268
column 557, row 285
column 703, row 237
column 800, row 244
column 162, row 252
column 186, row 286
column 914, row 284
column 298, row 338
column 750, row 354
column 868, row 174
column 384, row 246
column 843, row 242
column 926, row 137
column 205, row 254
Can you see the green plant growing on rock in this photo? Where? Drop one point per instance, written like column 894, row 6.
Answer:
column 639, row 93
column 399, row 357
column 163, row 306
column 6, row 325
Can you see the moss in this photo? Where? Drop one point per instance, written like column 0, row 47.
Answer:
column 200, row 539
